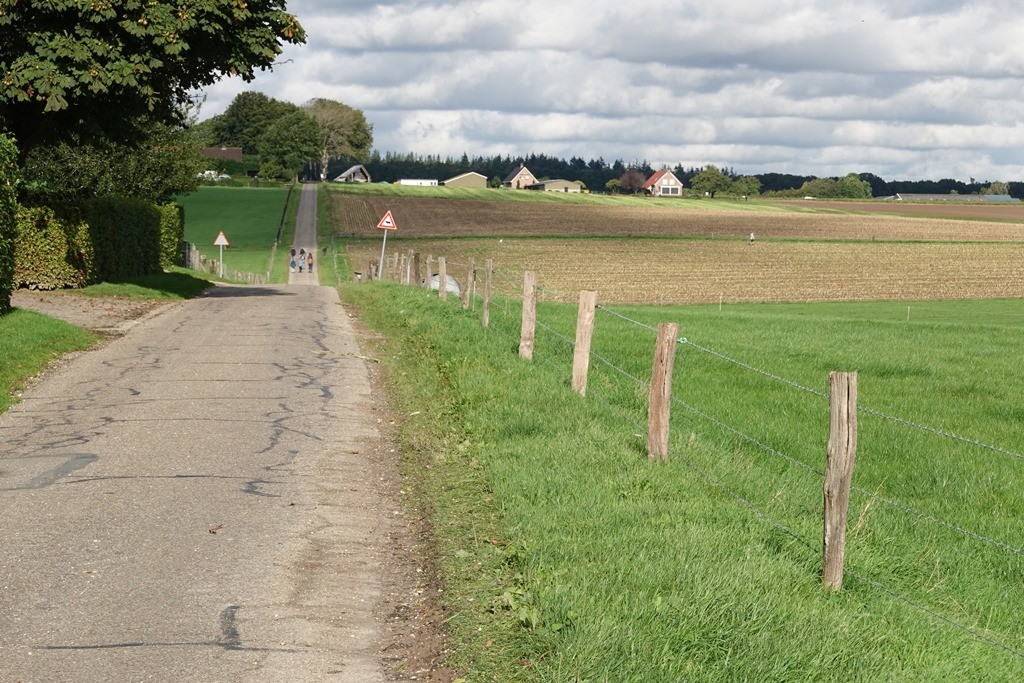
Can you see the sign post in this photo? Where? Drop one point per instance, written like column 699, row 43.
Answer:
column 386, row 223
column 221, row 242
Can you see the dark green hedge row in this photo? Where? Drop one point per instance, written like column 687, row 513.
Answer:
column 104, row 240
column 172, row 234
column 8, row 229
column 53, row 252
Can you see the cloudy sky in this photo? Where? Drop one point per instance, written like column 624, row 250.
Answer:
column 916, row 89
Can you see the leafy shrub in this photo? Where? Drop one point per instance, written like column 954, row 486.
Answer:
column 125, row 237
column 8, row 228
column 172, row 234
column 52, row 251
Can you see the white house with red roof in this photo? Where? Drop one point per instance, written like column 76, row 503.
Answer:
column 663, row 184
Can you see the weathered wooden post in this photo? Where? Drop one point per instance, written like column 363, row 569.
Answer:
column 408, row 268
column 529, row 327
column 416, row 269
column 660, row 398
column 442, row 278
column 840, row 456
column 488, row 274
column 470, row 279
column 428, row 281
column 584, row 335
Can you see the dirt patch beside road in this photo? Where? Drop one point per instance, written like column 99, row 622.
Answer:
column 111, row 316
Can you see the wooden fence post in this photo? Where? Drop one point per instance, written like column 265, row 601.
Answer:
column 470, row 278
column 442, row 278
column 841, row 453
column 416, row 269
column 584, row 334
column 396, row 269
column 488, row 274
column 430, row 272
column 660, row 398
column 529, row 327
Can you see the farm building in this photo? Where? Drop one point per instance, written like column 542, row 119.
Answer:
column 418, row 182
column 470, row 179
column 229, row 153
column 556, row 186
column 356, row 174
column 520, row 178
column 663, row 184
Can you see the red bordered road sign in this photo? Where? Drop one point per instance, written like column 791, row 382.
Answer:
column 221, row 240
column 388, row 222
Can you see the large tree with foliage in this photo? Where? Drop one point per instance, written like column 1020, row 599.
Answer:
column 711, row 181
column 95, row 69
column 288, row 144
column 246, row 119
column 344, row 132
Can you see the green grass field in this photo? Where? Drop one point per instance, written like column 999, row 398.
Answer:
column 28, row 341
column 568, row 557
column 249, row 218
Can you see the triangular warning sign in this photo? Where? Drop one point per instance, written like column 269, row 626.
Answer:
column 388, row 222
column 221, row 240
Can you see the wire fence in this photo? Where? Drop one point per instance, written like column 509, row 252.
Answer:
column 554, row 357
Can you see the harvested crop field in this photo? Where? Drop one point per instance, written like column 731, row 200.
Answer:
column 980, row 211
column 684, row 271
column 357, row 216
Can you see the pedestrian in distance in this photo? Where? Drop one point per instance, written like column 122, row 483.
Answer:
column 751, row 238
column 302, row 261
column 292, row 265
column 293, row 252
column 309, row 262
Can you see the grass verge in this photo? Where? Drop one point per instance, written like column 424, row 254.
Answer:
column 177, row 284
column 28, row 341
column 567, row 557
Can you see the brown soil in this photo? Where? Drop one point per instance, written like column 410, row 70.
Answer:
column 111, row 316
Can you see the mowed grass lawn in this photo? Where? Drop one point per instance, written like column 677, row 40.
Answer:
column 567, row 557
column 249, row 218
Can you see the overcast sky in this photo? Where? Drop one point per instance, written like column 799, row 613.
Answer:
column 915, row 89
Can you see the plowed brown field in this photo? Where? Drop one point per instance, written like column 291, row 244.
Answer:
column 702, row 271
column 357, row 215
column 840, row 256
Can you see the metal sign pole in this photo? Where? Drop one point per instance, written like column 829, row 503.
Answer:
column 221, row 261
column 380, row 268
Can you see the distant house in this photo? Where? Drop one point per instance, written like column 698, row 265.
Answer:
column 418, row 182
column 356, row 174
column 471, row 179
column 663, row 184
column 229, row 153
column 557, row 186
column 520, row 178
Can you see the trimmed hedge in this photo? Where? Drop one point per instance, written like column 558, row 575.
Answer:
column 52, row 252
column 125, row 237
column 8, row 225
column 172, row 234
column 104, row 240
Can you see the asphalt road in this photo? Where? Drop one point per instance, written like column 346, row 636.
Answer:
column 198, row 501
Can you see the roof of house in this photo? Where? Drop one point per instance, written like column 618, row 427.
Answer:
column 519, row 169
column 658, row 175
column 358, row 168
column 554, row 181
column 463, row 175
column 222, row 152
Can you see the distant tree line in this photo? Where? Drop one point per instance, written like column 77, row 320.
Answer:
column 596, row 174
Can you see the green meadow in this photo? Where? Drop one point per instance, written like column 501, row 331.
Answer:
column 249, row 218
column 566, row 556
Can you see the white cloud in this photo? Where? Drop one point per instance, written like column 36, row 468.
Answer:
column 926, row 87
